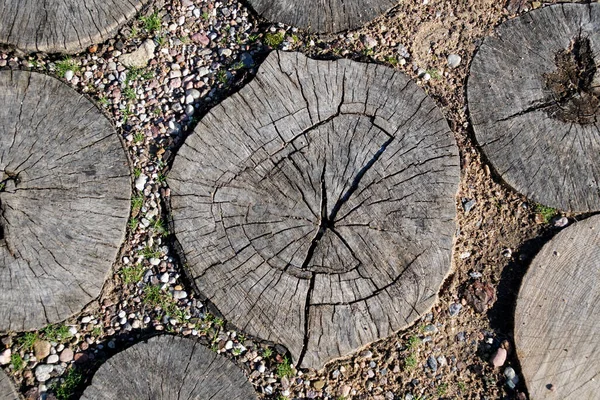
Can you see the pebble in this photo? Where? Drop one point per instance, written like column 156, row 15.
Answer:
column 140, row 182
column 432, row 363
column 561, row 222
column 454, row 309
column 41, row 349
column 5, row 357
column 369, row 42
column 42, row 372
column 52, row 359
column 69, row 75
column 179, row 294
column 499, row 357
column 319, row 385
column 140, row 57
column 453, row 60
column 66, row 355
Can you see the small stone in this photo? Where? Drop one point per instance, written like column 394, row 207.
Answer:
column 154, row 261
column 561, row 222
column 41, row 349
column 432, row 363
column 164, row 278
column 42, row 372
column 66, row 355
column 69, row 75
column 345, row 391
column 140, row 182
column 140, row 57
column 499, row 357
column 454, row 309
column 201, row 39
column 510, row 373
column 366, row 354
column 86, row 319
column 454, row 60
column 468, row 204
column 179, row 294
column 369, row 41
column 5, row 357
column 319, row 385
column 229, row 345
column 52, row 359
column 225, row 52
column 80, row 358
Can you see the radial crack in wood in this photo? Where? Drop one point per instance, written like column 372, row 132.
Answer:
column 169, row 368
column 58, row 26
column 64, row 200
column 557, row 318
column 315, row 207
column 320, row 16
column 7, row 391
column 534, row 100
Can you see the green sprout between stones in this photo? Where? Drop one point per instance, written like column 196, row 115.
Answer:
column 17, row 362
column 133, row 224
column 273, row 39
column 68, row 384
column 66, row 64
column 57, row 333
column 152, row 22
column 410, row 362
column 547, row 213
column 132, row 274
column 27, row 341
column 285, row 369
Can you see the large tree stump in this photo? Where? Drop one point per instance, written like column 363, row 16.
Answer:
column 534, row 96
column 322, row 17
column 557, row 318
column 7, row 391
column 315, row 207
column 169, row 368
column 57, row 26
column 64, row 200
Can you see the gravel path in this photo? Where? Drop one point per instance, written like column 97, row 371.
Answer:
column 157, row 78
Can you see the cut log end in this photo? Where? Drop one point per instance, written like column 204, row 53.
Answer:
column 315, row 207
column 7, row 391
column 169, row 368
column 557, row 317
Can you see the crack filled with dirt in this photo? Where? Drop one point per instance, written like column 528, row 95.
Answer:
column 574, row 96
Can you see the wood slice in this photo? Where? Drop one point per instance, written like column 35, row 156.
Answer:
column 7, row 391
column 64, row 200
column 315, row 207
column 534, row 96
column 169, row 368
column 57, row 26
column 322, row 16
column 557, row 318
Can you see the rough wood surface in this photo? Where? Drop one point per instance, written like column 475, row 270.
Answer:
column 62, row 26
column 7, row 391
column 557, row 318
column 64, row 200
column 169, row 368
column 315, row 207
column 534, row 95
column 322, row 16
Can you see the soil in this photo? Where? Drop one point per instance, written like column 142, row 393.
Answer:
column 447, row 354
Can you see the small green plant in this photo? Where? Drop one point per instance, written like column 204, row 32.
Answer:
column 68, row 384
column 161, row 40
column 393, row 61
column 222, row 76
column 158, row 226
column 295, row 38
column 253, row 38
column 133, row 224
column 104, row 102
column 547, row 213
column 135, row 73
column 434, row 74
column 205, row 16
column 97, row 331
column 152, row 22
column 148, row 252
column 137, row 172
column 132, row 274
column 56, row 333
column 17, row 361
column 27, row 341
column 237, row 65
column 273, row 39
column 138, row 137
column 137, row 202
column 461, row 386
column 267, row 353
column 236, row 351
column 410, row 362
column 134, row 32
column 66, row 64
column 126, row 112
column 413, row 342
column 442, row 389
column 130, row 93
column 285, row 369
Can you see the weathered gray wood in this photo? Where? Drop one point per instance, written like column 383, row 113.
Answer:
column 7, row 391
column 169, row 368
column 62, row 26
column 322, row 16
column 64, row 200
column 557, row 318
column 316, row 207
column 539, row 127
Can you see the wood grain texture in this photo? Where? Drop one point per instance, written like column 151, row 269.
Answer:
column 519, row 119
column 64, row 200
column 169, row 368
column 7, row 391
column 557, row 318
column 315, row 207
column 322, row 16
column 61, row 26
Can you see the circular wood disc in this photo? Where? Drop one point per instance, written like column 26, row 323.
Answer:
column 557, row 318
column 315, row 207
column 7, row 391
column 57, row 26
column 322, row 17
column 169, row 368
column 64, row 200
column 534, row 96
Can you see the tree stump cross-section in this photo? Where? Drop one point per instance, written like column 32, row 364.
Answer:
column 534, row 100
column 64, row 200
column 7, row 391
column 322, row 17
column 169, row 368
column 58, row 26
column 315, row 207
column 557, row 318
